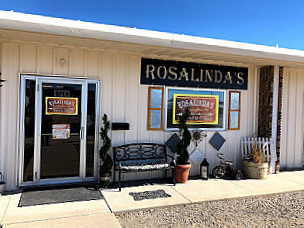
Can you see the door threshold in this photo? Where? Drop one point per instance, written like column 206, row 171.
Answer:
column 89, row 184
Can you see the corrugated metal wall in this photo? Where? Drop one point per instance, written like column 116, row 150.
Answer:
column 123, row 99
column 292, row 119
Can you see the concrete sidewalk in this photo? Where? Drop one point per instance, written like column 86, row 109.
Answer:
column 94, row 213
column 98, row 213
column 195, row 191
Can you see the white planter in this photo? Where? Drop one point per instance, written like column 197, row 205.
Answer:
column 254, row 170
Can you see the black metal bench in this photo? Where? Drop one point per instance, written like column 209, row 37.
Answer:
column 142, row 157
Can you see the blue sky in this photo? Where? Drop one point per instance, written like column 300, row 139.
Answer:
column 267, row 22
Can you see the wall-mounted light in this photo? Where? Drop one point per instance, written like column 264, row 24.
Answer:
column 62, row 61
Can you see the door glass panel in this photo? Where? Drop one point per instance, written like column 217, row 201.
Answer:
column 60, row 130
column 91, row 112
column 29, row 129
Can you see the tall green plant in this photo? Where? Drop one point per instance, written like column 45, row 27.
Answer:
column 185, row 138
column 107, row 165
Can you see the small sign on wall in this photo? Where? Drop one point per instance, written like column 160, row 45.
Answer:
column 61, row 131
column 61, row 106
column 204, row 108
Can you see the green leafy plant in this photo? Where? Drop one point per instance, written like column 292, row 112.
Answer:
column 183, row 158
column 107, row 165
column 256, row 155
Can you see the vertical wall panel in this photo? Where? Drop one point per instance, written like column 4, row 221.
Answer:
column 91, row 64
column 45, row 56
column 9, row 113
column 132, row 96
column 60, row 67
column 292, row 119
column 28, row 60
column 76, row 63
column 298, row 137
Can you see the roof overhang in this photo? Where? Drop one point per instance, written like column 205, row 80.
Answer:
column 144, row 42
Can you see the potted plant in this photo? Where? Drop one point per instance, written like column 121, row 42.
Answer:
column 254, row 165
column 182, row 163
column 105, row 169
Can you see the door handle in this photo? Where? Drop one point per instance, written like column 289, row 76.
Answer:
column 81, row 133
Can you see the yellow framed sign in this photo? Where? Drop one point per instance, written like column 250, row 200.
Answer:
column 61, row 106
column 204, row 108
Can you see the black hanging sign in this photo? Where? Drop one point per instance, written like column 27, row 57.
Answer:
column 185, row 74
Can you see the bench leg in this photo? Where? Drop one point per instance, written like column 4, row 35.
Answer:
column 119, row 179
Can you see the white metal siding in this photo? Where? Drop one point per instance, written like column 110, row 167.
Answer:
column 292, row 119
column 122, row 98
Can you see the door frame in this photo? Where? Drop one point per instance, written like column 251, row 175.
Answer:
column 39, row 79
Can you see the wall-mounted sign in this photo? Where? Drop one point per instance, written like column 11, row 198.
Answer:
column 185, row 74
column 61, row 131
column 204, row 108
column 61, row 106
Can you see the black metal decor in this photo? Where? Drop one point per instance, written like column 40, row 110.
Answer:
column 186, row 74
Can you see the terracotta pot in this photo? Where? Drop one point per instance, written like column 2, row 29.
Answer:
column 182, row 173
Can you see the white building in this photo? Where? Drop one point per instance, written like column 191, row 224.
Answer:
column 62, row 75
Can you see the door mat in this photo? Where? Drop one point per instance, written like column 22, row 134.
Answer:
column 138, row 196
column 41, row 197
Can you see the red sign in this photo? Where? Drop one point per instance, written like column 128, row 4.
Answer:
column 61, row 106
column 203, row 108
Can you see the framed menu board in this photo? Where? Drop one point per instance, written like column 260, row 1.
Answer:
column 61, row 106
column 207, row 107
column 203, row 108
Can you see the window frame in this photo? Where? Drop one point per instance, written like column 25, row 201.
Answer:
column 224, row 128
column 234, row 110
column 150, row 108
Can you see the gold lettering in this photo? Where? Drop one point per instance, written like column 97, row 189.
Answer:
column 183, row 74
column 241, row 79
column 148, row 70
column 202, row 75
column 172, row 72
column 209, row 76
column 159, row 73
column 228, row 78
column 218, row 76
column 192, row 75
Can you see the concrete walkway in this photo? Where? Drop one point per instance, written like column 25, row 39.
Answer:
column 98, row 213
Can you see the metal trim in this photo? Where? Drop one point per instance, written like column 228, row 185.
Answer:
column 200, row 89
column 39, row 79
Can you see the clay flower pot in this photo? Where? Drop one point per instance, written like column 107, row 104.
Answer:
column 182, row 173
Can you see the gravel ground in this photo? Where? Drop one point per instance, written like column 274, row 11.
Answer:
column 279, row 210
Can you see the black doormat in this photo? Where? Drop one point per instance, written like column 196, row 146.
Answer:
column 33, row 198
column 138, row 196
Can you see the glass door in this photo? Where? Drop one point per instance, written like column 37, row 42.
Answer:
column 62, row 126
column 59, row 130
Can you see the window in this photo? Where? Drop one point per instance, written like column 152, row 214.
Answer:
column 207, row 108
column 234, row 110
column 155, row 108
